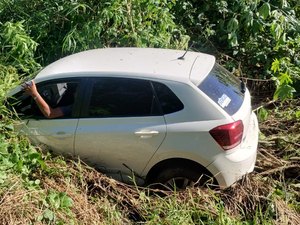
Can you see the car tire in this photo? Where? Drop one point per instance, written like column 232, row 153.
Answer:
column 178, row 178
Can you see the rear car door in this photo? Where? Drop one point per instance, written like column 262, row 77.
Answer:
column 121, row 127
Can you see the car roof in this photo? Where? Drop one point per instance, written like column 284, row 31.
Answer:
column 141, row 62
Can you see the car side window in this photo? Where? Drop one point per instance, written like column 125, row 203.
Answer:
column 122, row 97
column 168, row 101
column 22, row 104
column 56, row 94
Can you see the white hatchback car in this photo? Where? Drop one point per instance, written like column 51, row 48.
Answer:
column 163, row 115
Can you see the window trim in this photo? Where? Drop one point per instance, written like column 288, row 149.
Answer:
column 77, row 101
column 88, row 94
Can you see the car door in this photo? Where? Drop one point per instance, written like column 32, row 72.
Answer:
column 122, row 126
column 57, row 134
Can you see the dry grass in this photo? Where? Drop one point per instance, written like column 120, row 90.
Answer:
column 273, row 191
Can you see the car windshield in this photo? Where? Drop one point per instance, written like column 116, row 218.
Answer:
column 223, row 88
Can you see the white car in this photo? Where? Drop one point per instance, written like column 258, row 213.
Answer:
column 164, row 116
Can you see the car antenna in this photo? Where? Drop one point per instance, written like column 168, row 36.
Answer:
column 189, row 47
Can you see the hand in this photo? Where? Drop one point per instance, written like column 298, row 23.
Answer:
column 30, row 88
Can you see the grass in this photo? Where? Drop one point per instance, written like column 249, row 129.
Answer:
column 38, row 188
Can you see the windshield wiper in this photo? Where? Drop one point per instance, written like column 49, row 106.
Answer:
column 243, row 86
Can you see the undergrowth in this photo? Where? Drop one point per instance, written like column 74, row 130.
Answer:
column 38, row 188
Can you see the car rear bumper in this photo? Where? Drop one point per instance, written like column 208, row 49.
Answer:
column 230, row 167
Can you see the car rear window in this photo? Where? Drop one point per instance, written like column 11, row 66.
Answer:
column 223, row 88
column 169, row 102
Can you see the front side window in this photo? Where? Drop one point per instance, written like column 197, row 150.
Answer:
column 56, row 94
column 122, row 97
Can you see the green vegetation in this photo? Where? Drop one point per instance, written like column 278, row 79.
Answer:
column 257, row 40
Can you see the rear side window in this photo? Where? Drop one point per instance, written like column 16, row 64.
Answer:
column 122, row 97
column 169, row 102
column 224, row 89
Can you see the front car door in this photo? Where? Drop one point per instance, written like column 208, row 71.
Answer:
column 122, row 126
column 58, row 133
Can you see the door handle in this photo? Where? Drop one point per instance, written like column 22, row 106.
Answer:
column 146, row 133
column 62, row 134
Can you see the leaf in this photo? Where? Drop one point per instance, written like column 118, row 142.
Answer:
column 37, row 182
column 54, row 200
column 262, row 114
column 265, row 10
column 233, row 41
column 66, row 202
column 282, row 39
column 285, row 78
column 257, row 26
column 3, row 177
column 3, row 148
column 247, row 17
column 275, row 65
column 276, row 30
column 297, row 114
column 232, row 25
column 283, row 92
column 49, row 215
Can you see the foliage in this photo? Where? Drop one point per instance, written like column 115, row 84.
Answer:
column 17, row 155
column 260, row 36
column 262, row 114
column 64, row 27
column 55, row 202
column 255, row 33
column 284, row 71
column 17, row 48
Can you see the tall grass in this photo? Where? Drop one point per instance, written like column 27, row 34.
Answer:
column 39, row 188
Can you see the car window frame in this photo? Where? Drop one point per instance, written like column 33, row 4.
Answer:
column 169, row 89
column 89, row 90
column 77, row 101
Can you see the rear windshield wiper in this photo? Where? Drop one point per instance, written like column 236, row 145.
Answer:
column 243, row 86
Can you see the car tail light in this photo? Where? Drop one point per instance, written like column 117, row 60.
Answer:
column 229, row 135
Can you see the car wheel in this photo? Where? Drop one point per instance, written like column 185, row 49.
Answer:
column 178, row 178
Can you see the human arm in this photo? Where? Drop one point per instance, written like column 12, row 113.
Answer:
column 48, row 112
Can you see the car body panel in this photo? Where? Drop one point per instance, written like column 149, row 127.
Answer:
column 194, row 101
column 148, row 62
column 200, row 68
column 124, row 145
column 201, row 148
column 57, row 134
column 113, row 144
column 230, row 167
column 245, row 114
